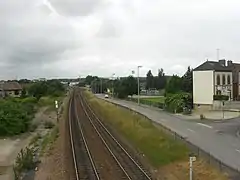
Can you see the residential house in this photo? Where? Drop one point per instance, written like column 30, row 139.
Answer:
column 214, row 78
column 13, row 89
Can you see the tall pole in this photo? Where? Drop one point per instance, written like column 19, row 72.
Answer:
column 218, row 54
column 112, row 84
column 101, row 87
column 138, row 84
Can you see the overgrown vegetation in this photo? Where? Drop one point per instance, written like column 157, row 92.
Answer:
column 49, row 139
column 160, row 150
column 15, row 116
column 25, row 161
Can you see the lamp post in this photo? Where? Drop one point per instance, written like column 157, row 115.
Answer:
column 112, row 85
column 138, row 84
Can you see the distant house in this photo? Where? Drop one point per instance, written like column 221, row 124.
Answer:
column 13, row 89
column 215, row 78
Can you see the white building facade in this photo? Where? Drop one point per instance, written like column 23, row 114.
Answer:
column 209, row 79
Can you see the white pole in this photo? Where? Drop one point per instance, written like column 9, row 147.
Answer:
column 191, row 170
column 191, row 160
column 138, row 84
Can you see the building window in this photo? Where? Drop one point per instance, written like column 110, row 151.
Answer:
column 218, row 79
column 229, row 79
column 223, row 79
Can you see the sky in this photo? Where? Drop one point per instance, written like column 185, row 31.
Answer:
column 72, row 38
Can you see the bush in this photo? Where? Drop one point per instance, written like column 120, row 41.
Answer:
column 177, row 102
column 220, row 97
column 16, row 116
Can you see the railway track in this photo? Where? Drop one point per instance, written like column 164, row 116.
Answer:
column 130, row 166
column 96, row 153
column 83, row 163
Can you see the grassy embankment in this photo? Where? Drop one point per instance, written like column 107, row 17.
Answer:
column 170, row 157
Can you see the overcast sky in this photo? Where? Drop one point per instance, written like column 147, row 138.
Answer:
column 68, row 38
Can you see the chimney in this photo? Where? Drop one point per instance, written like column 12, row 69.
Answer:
column 222, row 62
column 229, row 63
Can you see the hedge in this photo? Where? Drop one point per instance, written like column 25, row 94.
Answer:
column 220, row 97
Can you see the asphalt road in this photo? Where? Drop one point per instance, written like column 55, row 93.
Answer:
column 210, row 137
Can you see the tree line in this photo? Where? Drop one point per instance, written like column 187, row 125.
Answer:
column 122, row 87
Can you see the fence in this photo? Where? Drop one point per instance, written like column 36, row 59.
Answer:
column 194, row 149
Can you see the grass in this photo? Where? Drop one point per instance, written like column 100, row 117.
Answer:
column 49, row 139
column 159, row 148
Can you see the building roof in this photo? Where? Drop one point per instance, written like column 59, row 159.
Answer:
column 213, row 65
column 9, row 86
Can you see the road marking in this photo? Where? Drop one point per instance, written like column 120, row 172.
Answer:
column 191, row 130
column 237, row 150
column 205, row 125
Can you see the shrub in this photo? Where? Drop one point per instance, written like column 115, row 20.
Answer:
column 24, row 161
column 176, row 102
column 220, row 97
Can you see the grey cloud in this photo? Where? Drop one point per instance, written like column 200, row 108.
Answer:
column 75, row 7
column 109, row 29
column 29, row 38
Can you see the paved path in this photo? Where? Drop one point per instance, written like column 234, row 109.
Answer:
column 224, row 147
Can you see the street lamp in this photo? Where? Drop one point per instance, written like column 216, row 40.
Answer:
column 112, row 84
column 138, row 83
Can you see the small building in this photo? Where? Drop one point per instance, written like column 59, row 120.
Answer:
column 13, row 89
column 212, row 78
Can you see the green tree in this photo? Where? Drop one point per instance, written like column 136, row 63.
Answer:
column 187, row 81
column 161, row 80
column 174, row 85
column 149, row 80
column 125, row 86
column 46, row 88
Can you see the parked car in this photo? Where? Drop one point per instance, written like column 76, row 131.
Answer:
column 106, row 96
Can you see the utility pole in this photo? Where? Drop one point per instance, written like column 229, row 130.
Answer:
column 218, row 50
column 138, row 84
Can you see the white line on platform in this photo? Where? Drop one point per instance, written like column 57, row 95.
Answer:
column 191, row 130
column 237, row 150
column 205, row 125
